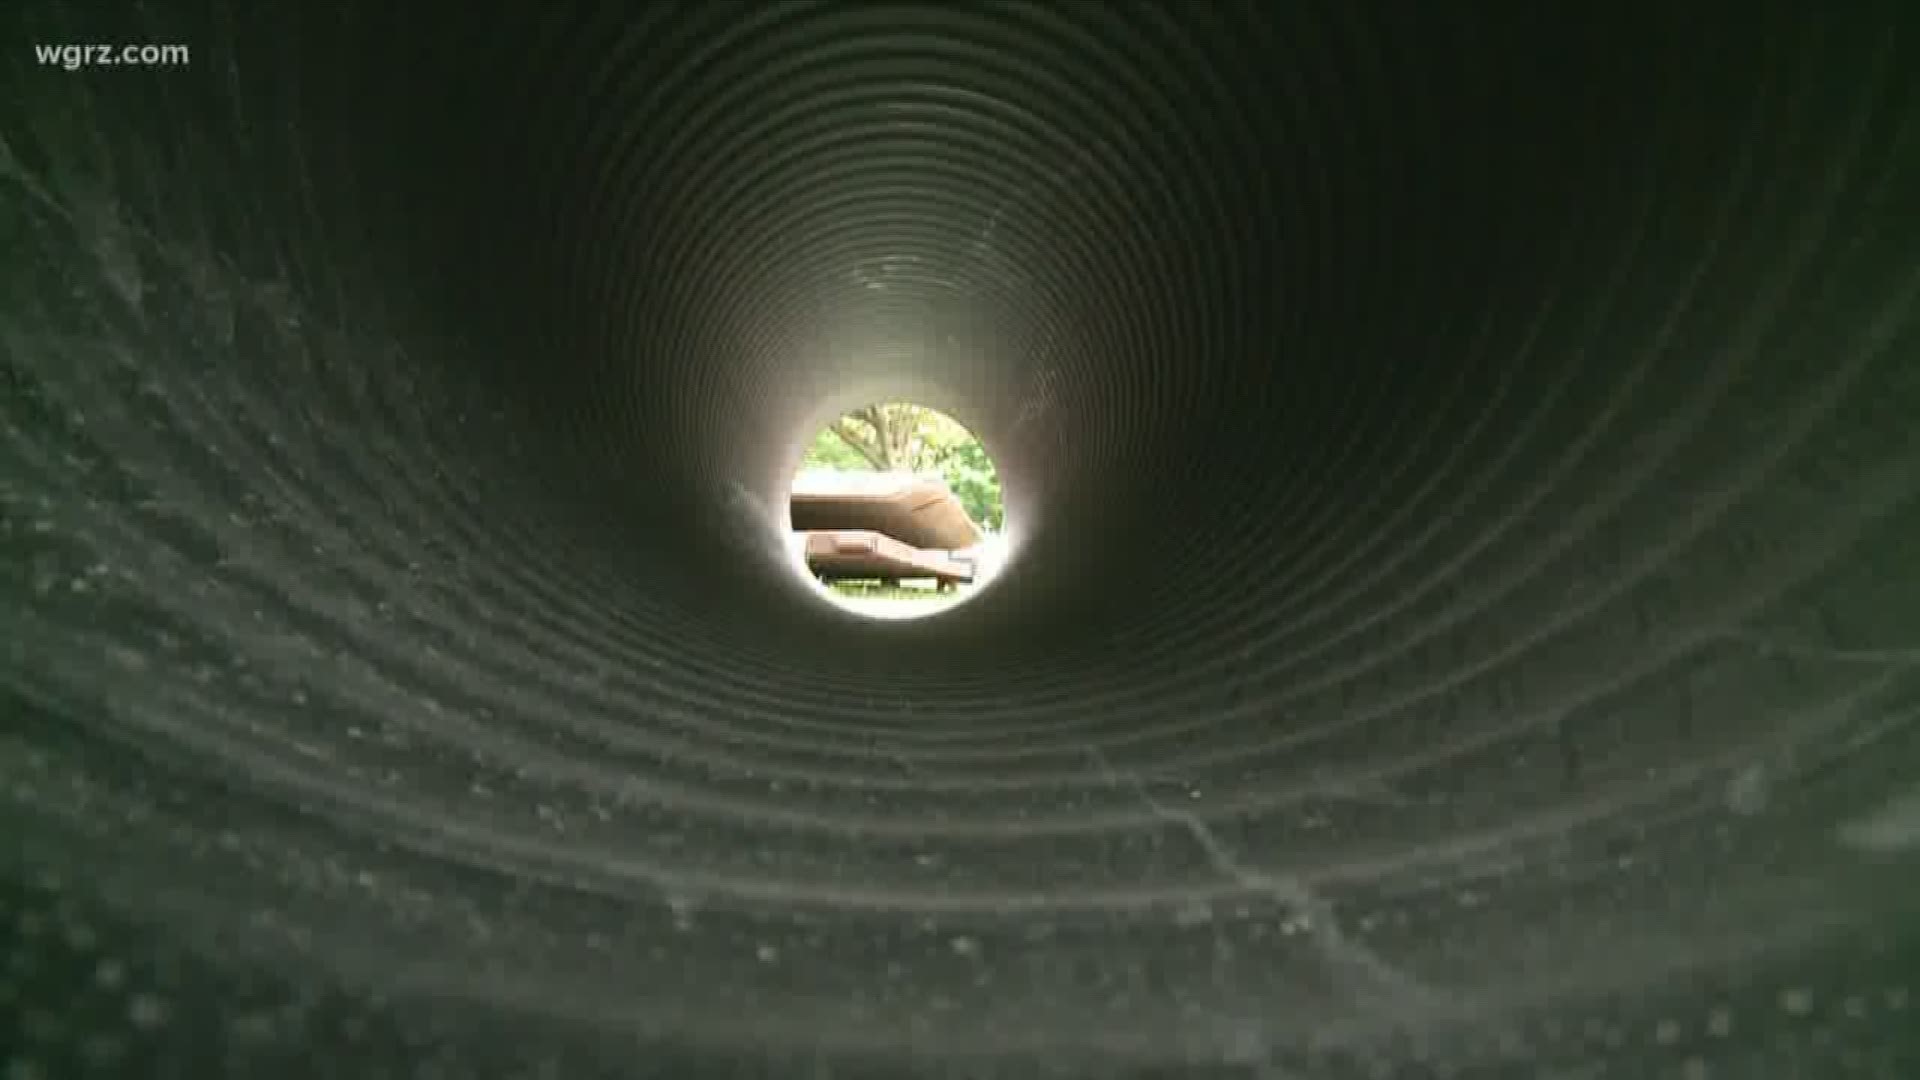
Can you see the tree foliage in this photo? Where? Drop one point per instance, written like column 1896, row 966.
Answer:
column 971, row 477
column 901, row 437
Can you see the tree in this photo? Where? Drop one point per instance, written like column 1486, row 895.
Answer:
column 830, row 451
column 900, row 437
column 973, row 481
column 887, row 435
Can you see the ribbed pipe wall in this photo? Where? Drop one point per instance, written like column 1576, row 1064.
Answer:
column 1466, row 613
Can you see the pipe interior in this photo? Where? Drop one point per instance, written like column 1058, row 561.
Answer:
column 1466, row 613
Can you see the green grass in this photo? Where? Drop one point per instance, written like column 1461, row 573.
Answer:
column 873, row 590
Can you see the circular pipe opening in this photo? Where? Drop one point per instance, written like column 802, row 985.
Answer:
column 897, row 512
